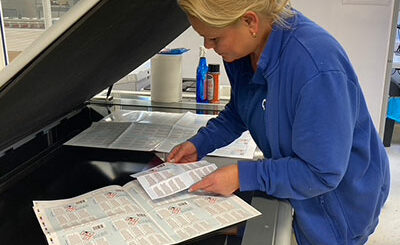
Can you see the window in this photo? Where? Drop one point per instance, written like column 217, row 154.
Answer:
column 25, row 20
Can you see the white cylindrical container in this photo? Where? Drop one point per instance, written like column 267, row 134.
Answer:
column 166, row 78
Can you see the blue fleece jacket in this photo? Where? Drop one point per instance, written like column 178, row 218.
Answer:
column 305, row 109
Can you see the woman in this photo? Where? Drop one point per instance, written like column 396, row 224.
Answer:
column 294, row 89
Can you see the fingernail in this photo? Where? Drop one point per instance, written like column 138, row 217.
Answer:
column 172, row 160
column 190, row 190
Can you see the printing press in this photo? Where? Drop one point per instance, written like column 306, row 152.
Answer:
column 45, row 100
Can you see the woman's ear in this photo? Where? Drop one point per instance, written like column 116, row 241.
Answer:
column 251, row 20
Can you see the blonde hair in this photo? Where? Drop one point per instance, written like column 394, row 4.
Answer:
column 222, row 13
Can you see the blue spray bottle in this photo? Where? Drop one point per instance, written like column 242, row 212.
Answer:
column 201, row 77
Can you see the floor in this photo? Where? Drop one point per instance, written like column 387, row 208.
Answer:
column 20, row 39
column 388, row 230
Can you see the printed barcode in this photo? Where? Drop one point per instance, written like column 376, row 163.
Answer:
column 81, row 201
column 98, row 227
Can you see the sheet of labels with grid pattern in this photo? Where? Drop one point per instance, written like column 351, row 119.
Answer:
column 127, row 215
column 155, row 131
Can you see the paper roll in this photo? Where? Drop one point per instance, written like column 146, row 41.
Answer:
column 166, row 78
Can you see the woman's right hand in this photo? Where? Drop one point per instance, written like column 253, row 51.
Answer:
column 185, row 152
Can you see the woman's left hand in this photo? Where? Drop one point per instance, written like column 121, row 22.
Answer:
column 223, row 181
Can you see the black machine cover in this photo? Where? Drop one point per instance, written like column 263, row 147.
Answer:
column 109, row 41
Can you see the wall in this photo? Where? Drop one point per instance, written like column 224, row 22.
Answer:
column 364, row 32
column 20, row 8
column 190, row 39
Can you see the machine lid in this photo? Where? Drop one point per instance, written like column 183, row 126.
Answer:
column 94, row 45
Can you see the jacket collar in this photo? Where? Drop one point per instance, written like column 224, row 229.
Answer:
column 269, row 60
